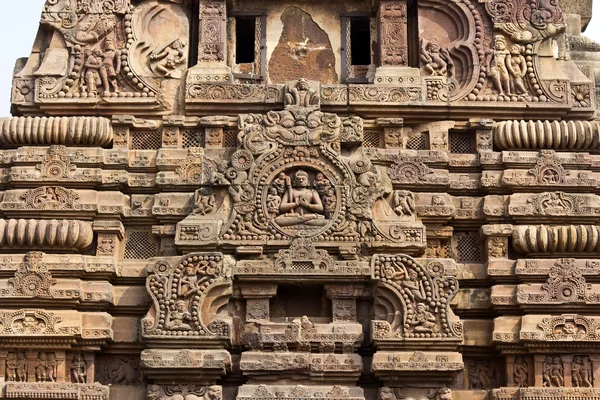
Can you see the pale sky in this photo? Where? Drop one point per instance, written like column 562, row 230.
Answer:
column 19, row 24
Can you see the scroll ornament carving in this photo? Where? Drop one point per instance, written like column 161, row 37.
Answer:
column 408, row 170
column 394, row 48
column 288, row 179
column 188, row 392
column 527, row 21
column 422, row 297
column 29, row 322
column 418, row 361
column 556, row 239
column 556, row 203
column 53, row 390
column 31, row 279
column 271, row 392
column 568, row 327
column 566, row 283
column 74, row 131
column 51, row 198
column 56, row 165
column 98, row 36
column 180, row 293
column 65, row 234
column 303, row 255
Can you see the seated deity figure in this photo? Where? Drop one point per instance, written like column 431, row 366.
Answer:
column 301, row 204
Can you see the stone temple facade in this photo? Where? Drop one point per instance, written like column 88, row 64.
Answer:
column 315, row 200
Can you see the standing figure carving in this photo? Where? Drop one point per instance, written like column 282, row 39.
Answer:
column 553, row 375
column 581, row 371
column 78, row 369
column 497, row 65
column 517, row 66
column 521, row 372
column 110, row 67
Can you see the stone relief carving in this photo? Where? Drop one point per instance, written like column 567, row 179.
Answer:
column 196, row 282
column 554, row 374
column 521, row 372
column 31, row 279
column 422, row 296
column 45, row 367
column 581, row 371
column 187, row 392
column 289, row 179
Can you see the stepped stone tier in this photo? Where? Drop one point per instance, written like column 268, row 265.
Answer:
column 283, row 200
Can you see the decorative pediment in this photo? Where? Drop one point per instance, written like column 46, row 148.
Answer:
column 413, row 303
column 199, row 281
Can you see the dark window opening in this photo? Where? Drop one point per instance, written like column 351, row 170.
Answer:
column 413, row 34
column 360, row 41
column 245, row 32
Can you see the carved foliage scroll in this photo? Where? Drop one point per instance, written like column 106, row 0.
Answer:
column 188, row 297
column 422, row 295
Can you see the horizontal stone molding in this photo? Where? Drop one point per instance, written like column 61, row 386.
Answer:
column 562, row 239
column 53, row 234
column 324, row 366
column 405, row 364
column 273, row 392
column 552, row 135
column 187, row 364
column 53, row 390
column 553, row 393
column 75, row 131
column 24, row 327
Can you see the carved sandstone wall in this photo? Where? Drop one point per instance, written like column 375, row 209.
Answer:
column 316, row 200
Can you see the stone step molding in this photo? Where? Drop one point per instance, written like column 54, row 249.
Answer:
column 41, row 131
column 551, row 135
column 47, row 234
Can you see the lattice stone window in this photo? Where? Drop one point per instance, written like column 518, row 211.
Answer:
column 191, row 138
column 468, row 247
column 372, row 139
column 418, row 142
column 230, row 138
column 462, row 142
column 145, row 140
column 140, row 243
